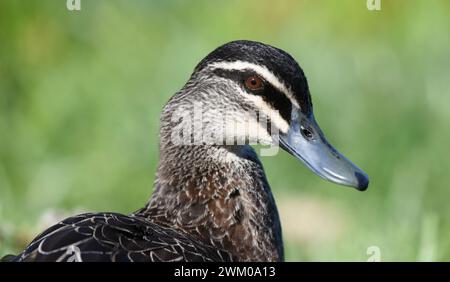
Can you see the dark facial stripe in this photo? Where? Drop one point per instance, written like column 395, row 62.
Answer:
column 271, row 95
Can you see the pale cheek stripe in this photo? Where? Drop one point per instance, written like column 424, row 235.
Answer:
column 260, row 70
column 271, row 113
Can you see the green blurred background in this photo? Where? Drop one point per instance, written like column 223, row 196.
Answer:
column 81, row 93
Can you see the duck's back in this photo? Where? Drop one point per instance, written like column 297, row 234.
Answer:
column 116, row 237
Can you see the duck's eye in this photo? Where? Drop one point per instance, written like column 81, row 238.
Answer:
column 254, row 83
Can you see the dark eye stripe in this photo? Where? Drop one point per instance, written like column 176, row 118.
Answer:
column 278, row 101
column 271, row 95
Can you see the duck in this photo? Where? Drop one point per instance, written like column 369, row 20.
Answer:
column 211, row 199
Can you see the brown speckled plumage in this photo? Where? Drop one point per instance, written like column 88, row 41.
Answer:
column 210, row 202
column 231, row 209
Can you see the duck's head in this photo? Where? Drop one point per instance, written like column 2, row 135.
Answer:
column 247, row 76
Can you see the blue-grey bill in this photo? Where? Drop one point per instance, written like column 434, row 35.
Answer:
column 306, row 141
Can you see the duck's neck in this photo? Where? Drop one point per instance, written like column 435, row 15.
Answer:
column 221, row 196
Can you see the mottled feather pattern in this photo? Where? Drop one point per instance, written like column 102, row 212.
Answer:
column 117, row 237
column 210, row 202
column 226, row 203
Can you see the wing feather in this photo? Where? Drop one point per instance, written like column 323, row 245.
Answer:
column 116, row 237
